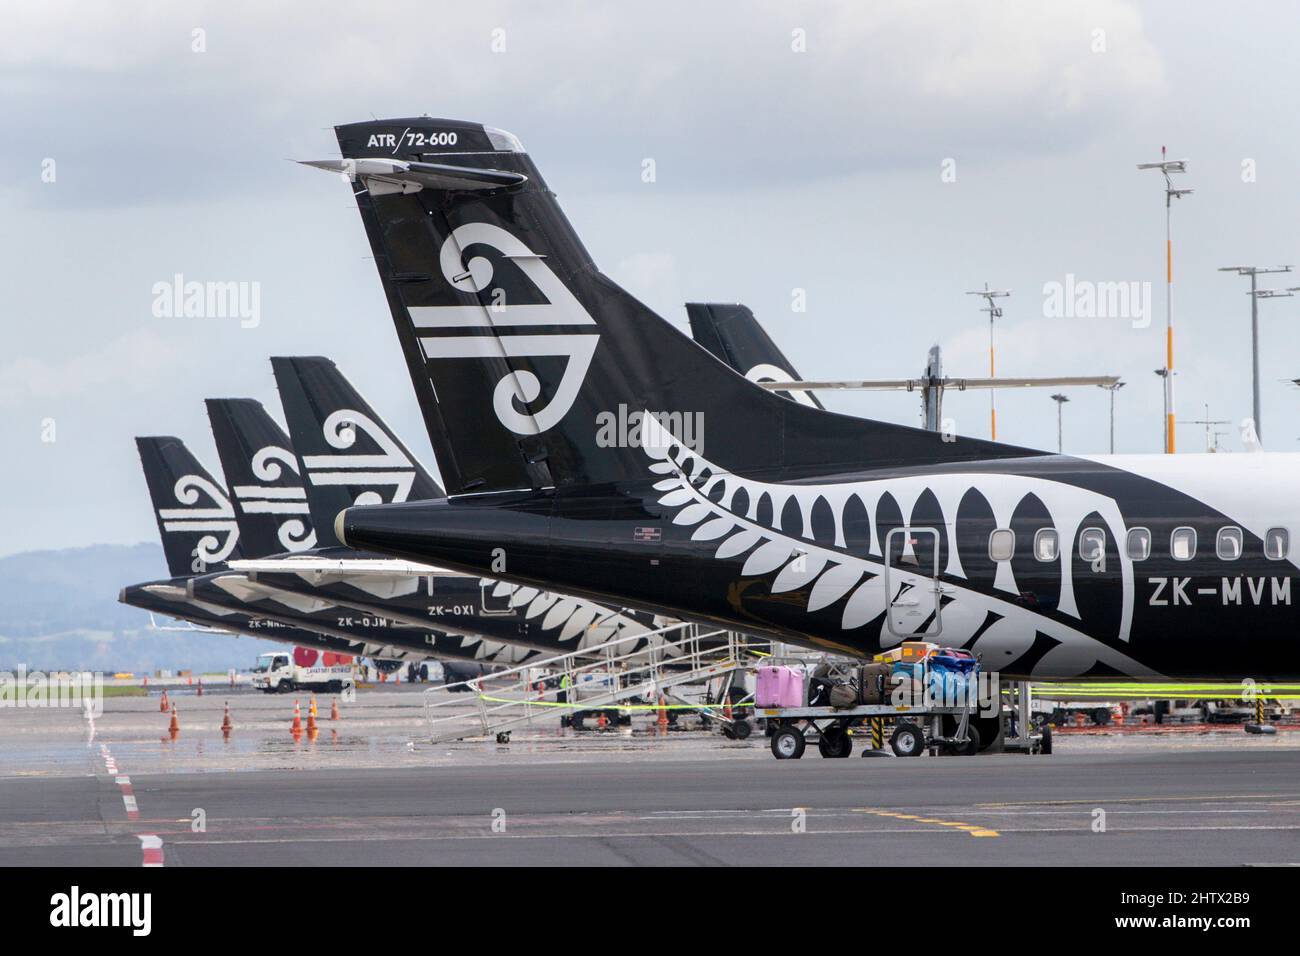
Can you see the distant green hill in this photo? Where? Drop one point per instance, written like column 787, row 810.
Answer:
column 59, row 611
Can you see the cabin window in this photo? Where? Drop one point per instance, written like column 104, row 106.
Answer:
column 1182, row 544
column 1046, row 544
column 1002, row 544
column 1138, row 544
column 1092, row 544
column 1277, row 544
column 1227, row 544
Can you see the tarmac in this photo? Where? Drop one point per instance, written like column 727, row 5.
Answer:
column 370, row 790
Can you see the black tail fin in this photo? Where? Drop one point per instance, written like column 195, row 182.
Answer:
column 533, row 368
column 732, row 334
column 195, row 517
column 347, row 454
column 262, row 472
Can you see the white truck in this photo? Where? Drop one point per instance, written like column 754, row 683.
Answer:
column 277, row 673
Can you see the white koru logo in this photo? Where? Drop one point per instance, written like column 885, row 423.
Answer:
column 268, row 465
column 391, row 467
column 519, row 387
column 217, row 523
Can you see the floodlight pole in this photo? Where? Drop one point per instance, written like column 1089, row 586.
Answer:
column 1060, row 402
column 1112, row 389
column 1256, row 294
column 1164, row 374
column 1166, row 167
column 995, row 312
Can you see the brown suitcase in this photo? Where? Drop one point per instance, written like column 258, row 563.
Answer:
column 873, row 681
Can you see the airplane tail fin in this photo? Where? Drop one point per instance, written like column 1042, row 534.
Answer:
column 731, row 333
column 533, row 369
column 262, row 473
column 348, row 455
column 196, row 520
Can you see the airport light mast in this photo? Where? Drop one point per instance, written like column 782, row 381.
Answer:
column 1113, row 388
column 1164, row 374
column 1167, row 168
column 1060, row 403
column 995, row 312
column 1256, row 294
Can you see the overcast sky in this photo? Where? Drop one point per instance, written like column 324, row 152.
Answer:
column 883, row 157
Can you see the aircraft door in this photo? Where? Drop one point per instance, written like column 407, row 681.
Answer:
column 912, row 584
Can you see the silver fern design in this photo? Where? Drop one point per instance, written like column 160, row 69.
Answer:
column 216, row 523
column 490, row 652
column 275, row 498
column 247, row 591
column 725, row 508
column 583, row 622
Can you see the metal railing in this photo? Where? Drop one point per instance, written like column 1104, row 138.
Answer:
column 613, row 677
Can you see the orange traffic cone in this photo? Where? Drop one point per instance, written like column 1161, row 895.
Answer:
column 311, row 708
column 174, row 727
column 311, row 723
column 662, row 720
column 297, row 719
column 163, row 706
column 226, row 725
column 334, row 711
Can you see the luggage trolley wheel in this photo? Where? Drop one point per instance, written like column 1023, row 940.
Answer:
column 972, row 745
column 788, row 742
column 908, row 739
column 737, row 730
column 835, row 742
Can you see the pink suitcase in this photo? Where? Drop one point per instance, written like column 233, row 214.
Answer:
column 779, row 687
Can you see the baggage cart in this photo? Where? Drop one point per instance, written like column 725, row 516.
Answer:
column 910, row 731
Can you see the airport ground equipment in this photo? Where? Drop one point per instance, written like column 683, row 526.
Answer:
column 1164, row 702
column 1019, row 734
column 909, row 730
column 691, row 670
column 915, row 719
column 277, row 672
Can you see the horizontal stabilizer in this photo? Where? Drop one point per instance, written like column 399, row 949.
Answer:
column 384, row 176
column 961, row 384
column 379, row 567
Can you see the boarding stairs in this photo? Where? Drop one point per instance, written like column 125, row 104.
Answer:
column 605, row 676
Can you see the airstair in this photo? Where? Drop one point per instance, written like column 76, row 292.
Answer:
column 679, row 667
